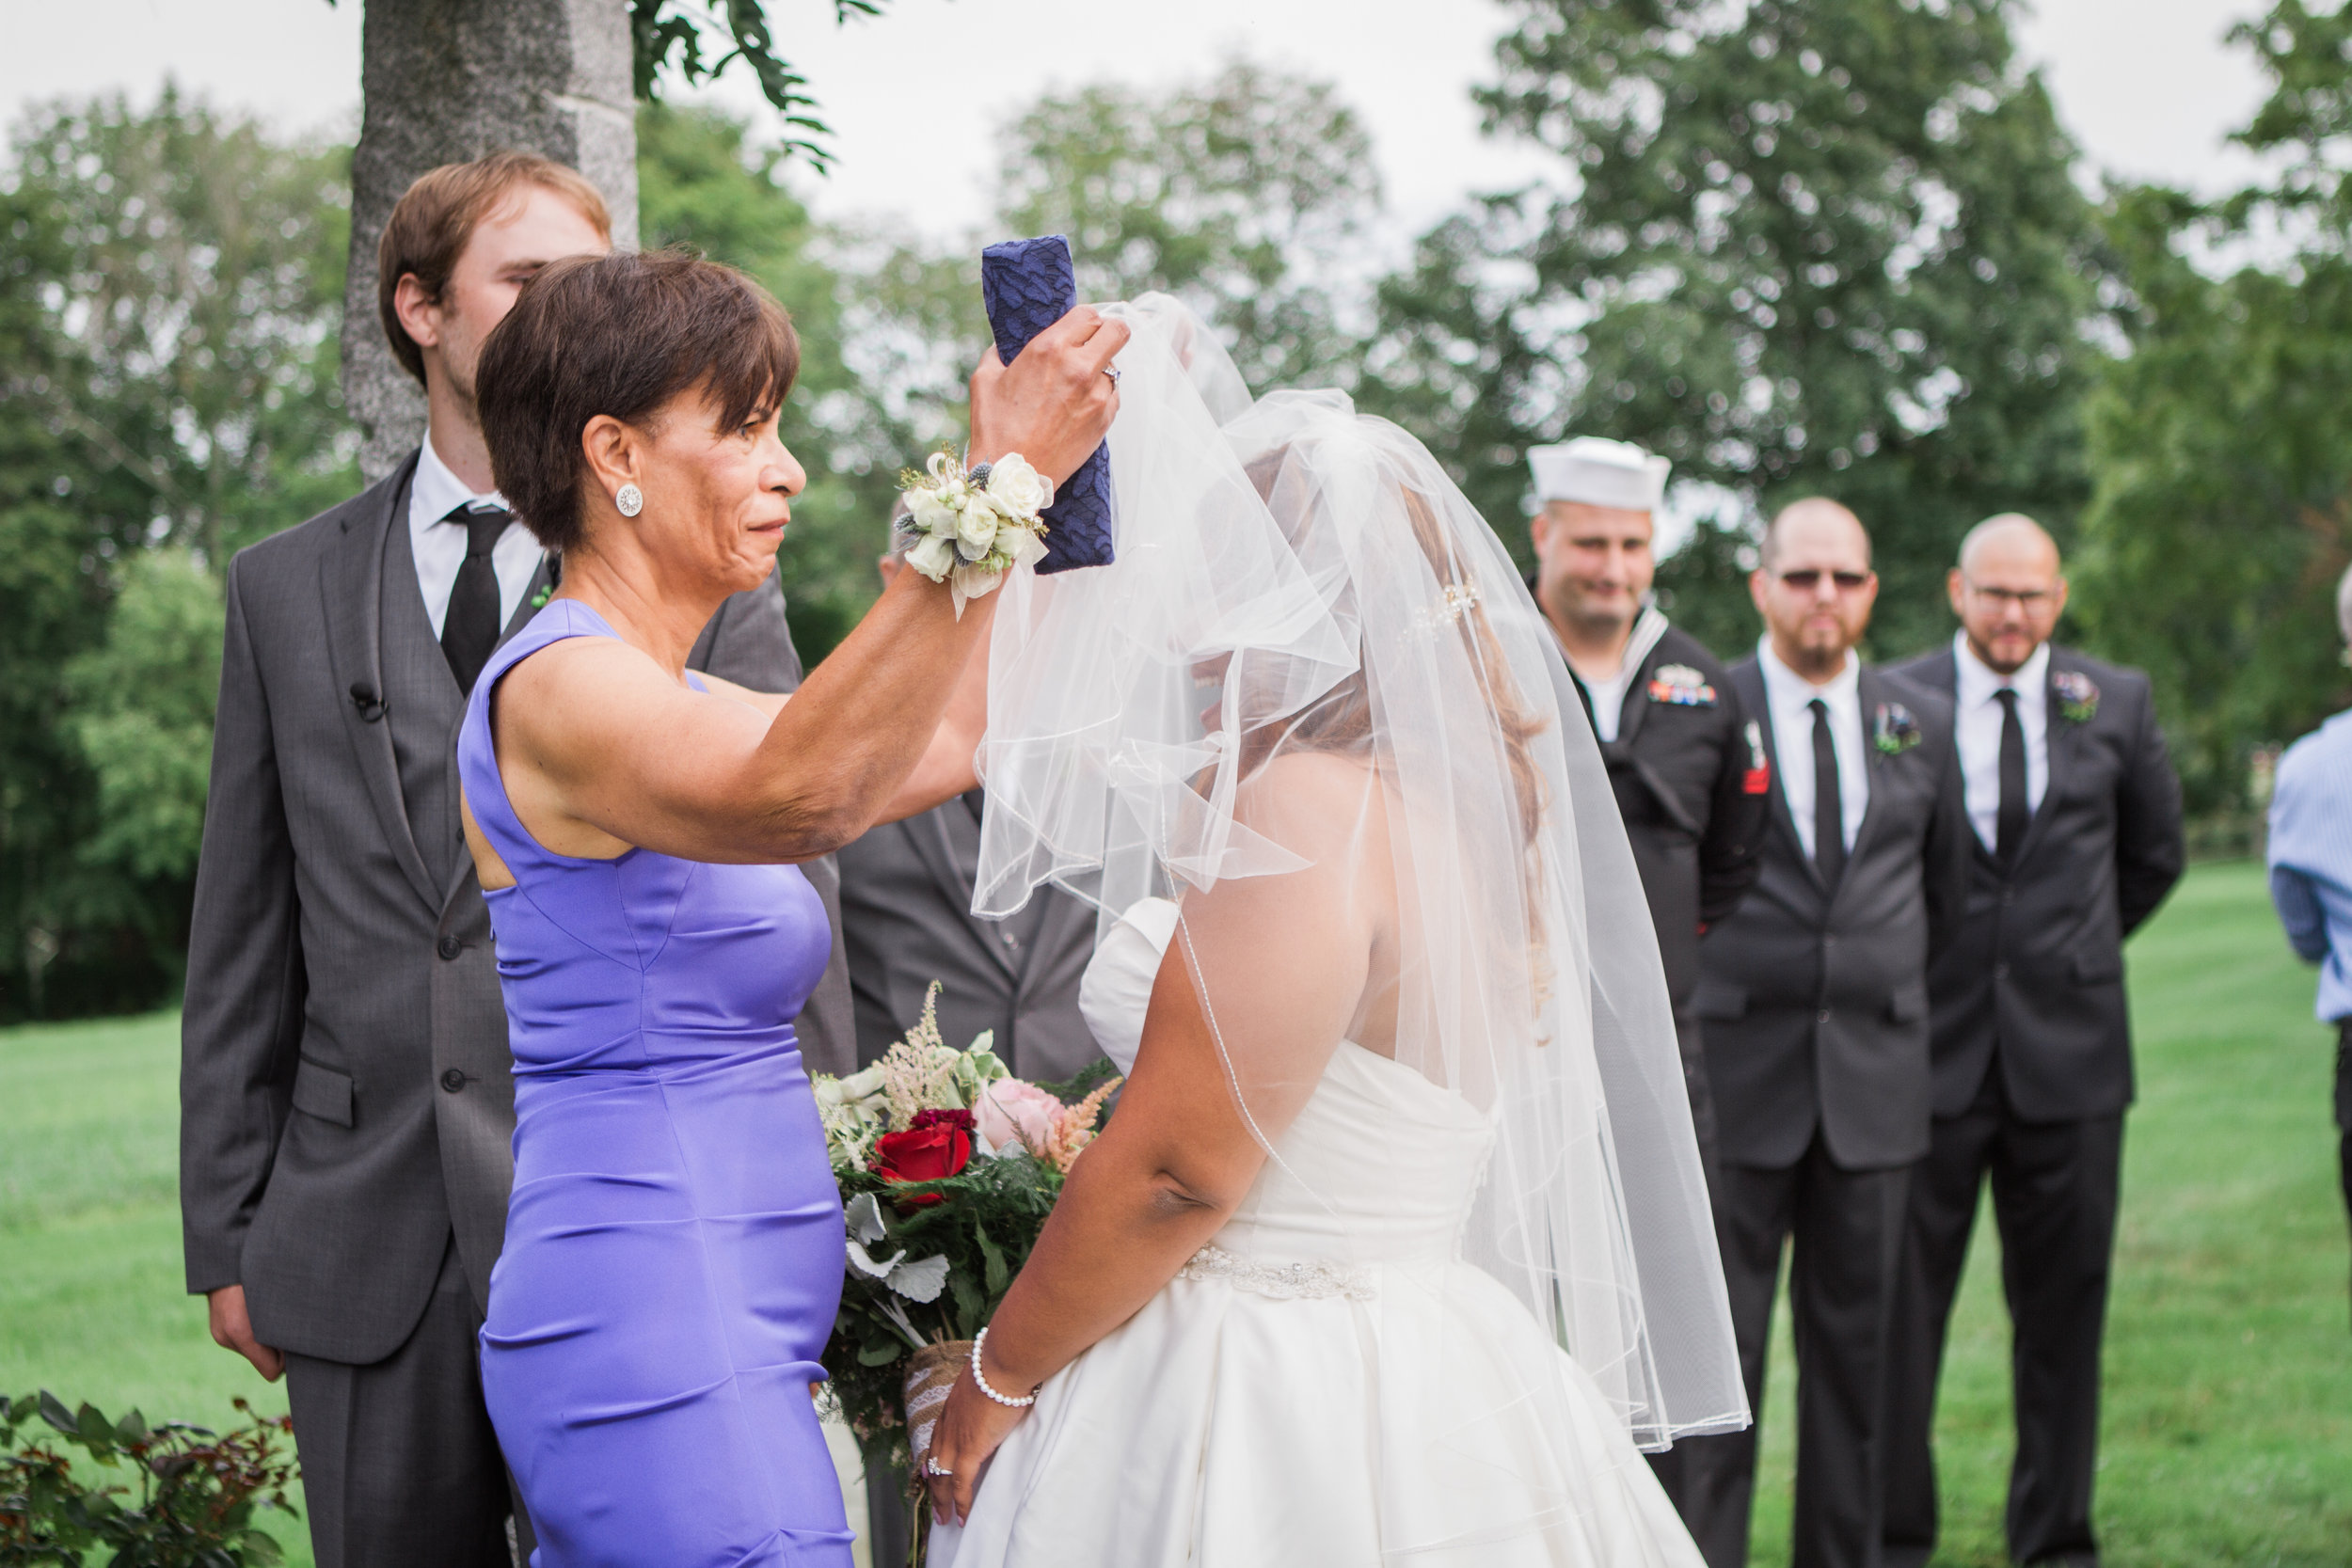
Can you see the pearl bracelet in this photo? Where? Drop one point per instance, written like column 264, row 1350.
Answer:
column 981, row 1378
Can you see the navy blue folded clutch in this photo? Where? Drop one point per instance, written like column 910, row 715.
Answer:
column 1028, row 285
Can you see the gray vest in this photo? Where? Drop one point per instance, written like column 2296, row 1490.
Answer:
column 423, row 707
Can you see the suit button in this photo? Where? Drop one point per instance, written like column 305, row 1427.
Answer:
column 453, row 1080
column 1823, row 1016
column 450, row 947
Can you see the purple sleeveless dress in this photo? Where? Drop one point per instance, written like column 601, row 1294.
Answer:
column 674, row 1242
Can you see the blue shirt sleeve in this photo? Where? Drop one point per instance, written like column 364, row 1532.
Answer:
column 2299, row 912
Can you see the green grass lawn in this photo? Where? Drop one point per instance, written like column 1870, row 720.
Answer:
column 2229, row 1377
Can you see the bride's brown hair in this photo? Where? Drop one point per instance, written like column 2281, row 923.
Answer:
column 1342, row 719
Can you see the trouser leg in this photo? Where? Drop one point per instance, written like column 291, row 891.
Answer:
column 889, row 1516
column 400, row 1466
column 1752, row 1219
column 1939, row 1217
column 1672, row 1467
column 2344, row 1110
column 1842, row 1292
column 2054, row 1196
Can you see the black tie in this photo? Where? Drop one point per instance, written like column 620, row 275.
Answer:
column 2009, row 829
column 1829, row 808
column 469, row 628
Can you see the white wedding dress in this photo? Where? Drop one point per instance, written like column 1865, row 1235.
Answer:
column 1327, row 1383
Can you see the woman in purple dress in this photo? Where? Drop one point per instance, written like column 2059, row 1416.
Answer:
column 674, row 1245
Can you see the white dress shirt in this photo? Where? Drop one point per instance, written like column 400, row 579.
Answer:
column 1608, row 696
column 1977, row 726
column 1790, row 696
column 439, row 546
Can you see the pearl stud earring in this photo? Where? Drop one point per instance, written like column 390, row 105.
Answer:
column 630, row 500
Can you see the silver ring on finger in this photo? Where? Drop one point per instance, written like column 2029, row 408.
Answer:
column 931, row 1467
column 1112, row 371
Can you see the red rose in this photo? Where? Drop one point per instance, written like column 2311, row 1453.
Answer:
column 934, row 1148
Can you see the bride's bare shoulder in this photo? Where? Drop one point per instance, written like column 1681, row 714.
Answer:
column 1321, row 794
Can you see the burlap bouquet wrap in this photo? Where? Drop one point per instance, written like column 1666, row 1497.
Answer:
column 931, row 1373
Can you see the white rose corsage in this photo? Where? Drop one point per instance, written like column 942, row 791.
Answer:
column 968, row 530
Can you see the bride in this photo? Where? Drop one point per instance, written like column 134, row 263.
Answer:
column 1396, row 1249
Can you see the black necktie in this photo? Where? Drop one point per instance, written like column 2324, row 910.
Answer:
column 2009, row 829
column 1829, row 807
column 469, row 628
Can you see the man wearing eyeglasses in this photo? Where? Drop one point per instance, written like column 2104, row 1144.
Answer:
column 2076, row 819
column 1813, row 999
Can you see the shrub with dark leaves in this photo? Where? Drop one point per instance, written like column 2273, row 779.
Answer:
column 191, row 1503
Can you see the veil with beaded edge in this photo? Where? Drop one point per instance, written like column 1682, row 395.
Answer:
column 1313, row 685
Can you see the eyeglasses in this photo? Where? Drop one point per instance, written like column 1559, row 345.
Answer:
column 2028, row 599
column 1804, row 579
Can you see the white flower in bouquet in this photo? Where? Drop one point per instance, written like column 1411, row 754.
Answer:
column 977, row 528
column 1017, row 488
column 933, row 555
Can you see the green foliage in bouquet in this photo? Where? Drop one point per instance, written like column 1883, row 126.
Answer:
column 948, row 1167
column 197, row 1497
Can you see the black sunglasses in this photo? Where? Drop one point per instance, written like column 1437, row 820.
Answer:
column 1804, row 579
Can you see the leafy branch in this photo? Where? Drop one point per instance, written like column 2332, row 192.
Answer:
column 700, row 38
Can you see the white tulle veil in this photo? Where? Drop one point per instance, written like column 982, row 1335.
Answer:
column 1314, row 702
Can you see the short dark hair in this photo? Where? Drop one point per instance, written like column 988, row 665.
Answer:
column 619, row 335
column 435, row 218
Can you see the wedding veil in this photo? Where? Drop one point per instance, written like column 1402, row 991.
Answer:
column 1313, row 701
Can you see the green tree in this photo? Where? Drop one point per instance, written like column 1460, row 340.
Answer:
column 51, row 605
column 2222, row 443
column 1249, row 197
column 1825, row 247
column 142, row 715
column 201, row 287
column 168, row 286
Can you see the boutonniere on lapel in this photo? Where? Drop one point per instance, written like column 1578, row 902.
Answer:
column 2077, row 695
column 1896, row 730
column 539, row 600
column 1681, row 686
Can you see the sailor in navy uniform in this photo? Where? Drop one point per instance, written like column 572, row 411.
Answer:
column 1688, row 764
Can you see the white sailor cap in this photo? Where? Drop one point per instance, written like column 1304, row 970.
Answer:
column 1599, row 473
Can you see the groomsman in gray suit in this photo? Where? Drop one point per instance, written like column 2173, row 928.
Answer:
column 346, row 1105
column 1814, row 1001
column 2075, row 838
column 906, row 920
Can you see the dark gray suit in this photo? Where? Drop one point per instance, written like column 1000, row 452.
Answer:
column 346, row 1106
column 906, row 920
column 2033, row 1069
column 1814, row 1005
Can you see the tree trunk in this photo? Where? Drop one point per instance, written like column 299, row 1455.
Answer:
column 449, row 80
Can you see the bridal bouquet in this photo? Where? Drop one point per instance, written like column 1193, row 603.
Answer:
column 947, row 1165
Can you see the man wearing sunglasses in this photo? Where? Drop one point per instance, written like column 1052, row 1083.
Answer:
column 2076, row 819
column 1813, row 999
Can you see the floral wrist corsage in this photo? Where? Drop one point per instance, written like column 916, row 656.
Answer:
column 968, row 530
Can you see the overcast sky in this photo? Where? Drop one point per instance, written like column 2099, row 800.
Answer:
column 913, row 97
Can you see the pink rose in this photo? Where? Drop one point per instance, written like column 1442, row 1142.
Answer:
column 1011, row 1111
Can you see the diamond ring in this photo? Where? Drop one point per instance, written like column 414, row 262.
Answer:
column 931, row 1467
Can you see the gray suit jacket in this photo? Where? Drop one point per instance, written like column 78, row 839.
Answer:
column 2035, row 980
column 1815, row 998
column 347, row 1098
column 906, row 917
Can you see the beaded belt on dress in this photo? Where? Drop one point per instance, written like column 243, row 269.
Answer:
column 1280, row 1281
